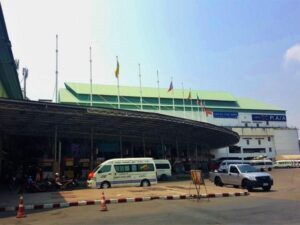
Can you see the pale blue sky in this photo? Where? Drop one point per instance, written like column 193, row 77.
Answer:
column 235, row 46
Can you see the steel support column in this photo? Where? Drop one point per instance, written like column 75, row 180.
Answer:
column 55, row 144
column 92, row 149
column 144, row 145
column 121, row 146
column 177, row 149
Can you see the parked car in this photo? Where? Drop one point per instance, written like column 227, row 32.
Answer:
column 242, row 175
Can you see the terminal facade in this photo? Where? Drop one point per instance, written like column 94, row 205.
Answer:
column 262, row 127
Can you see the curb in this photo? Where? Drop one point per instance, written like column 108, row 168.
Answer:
column 121, row 200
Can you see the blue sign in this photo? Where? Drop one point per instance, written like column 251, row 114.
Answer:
column 226, row 115
column 261, row 117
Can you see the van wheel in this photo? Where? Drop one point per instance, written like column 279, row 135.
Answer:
column 145, row 183
column 105, row 185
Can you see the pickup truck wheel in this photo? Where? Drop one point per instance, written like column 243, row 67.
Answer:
column 267, row 188
column 247, row 185
column 218, row 182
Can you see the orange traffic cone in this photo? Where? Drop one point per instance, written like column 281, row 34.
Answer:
column 103, row 206
column 21, row 211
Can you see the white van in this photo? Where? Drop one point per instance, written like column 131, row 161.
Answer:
column 224, row 165
column 287, row 163
column 262, row 164
column 163, row 169
column 123, row 172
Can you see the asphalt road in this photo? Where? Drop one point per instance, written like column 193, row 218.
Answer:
column 280, row 206
column 241, row 210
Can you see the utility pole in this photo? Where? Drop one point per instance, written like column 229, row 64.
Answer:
column 25, row 75
column 56, row 71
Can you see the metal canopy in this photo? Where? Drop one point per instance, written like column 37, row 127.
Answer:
column 40, row 119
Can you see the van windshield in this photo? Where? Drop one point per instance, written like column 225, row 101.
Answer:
column 95, row 170
column 247, row 169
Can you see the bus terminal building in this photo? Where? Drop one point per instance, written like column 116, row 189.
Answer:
column 71, row 138
column 65, row 137
column 82, row 130
column 262, row 127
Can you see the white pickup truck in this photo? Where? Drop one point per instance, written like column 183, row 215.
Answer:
column 242, row 175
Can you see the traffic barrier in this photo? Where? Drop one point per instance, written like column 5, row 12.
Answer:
column 103, row 206
column 120, row 200
column 21, row 210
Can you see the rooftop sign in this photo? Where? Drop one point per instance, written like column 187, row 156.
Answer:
column 263, row 117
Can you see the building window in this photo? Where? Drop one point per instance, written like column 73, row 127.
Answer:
column 234, row 149
column 259, row 142
column 270, row 149
column 254, row 150
column 269, row 139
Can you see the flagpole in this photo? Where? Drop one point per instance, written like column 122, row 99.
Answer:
column 198, row 107
column 192, row 111
column 141, row 93
column 91, row 79
column 204, row 111
column 118, row 86
column 173, row 94
column 56, row 71
column 183, row 100
column 158, row 91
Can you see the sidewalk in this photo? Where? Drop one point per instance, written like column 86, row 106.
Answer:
column 162, row 189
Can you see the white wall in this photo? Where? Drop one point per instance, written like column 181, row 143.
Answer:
column 286, row 141
column 279, row 140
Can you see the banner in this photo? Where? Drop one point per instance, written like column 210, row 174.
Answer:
column 197, row 177
column 226, row 115
column 263, row 117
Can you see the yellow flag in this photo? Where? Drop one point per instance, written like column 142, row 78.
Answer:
column 190, row 95
column 117, row 69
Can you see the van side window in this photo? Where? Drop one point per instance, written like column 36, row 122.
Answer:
column 122, row 168
column 145, row 167
column 105, row 169
column 162, row 166
column 133, row 168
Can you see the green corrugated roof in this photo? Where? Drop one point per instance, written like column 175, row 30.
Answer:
column 69, row 96
column 128, row 91
column 66, row 96
column 8, row 71
column 246, row 103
